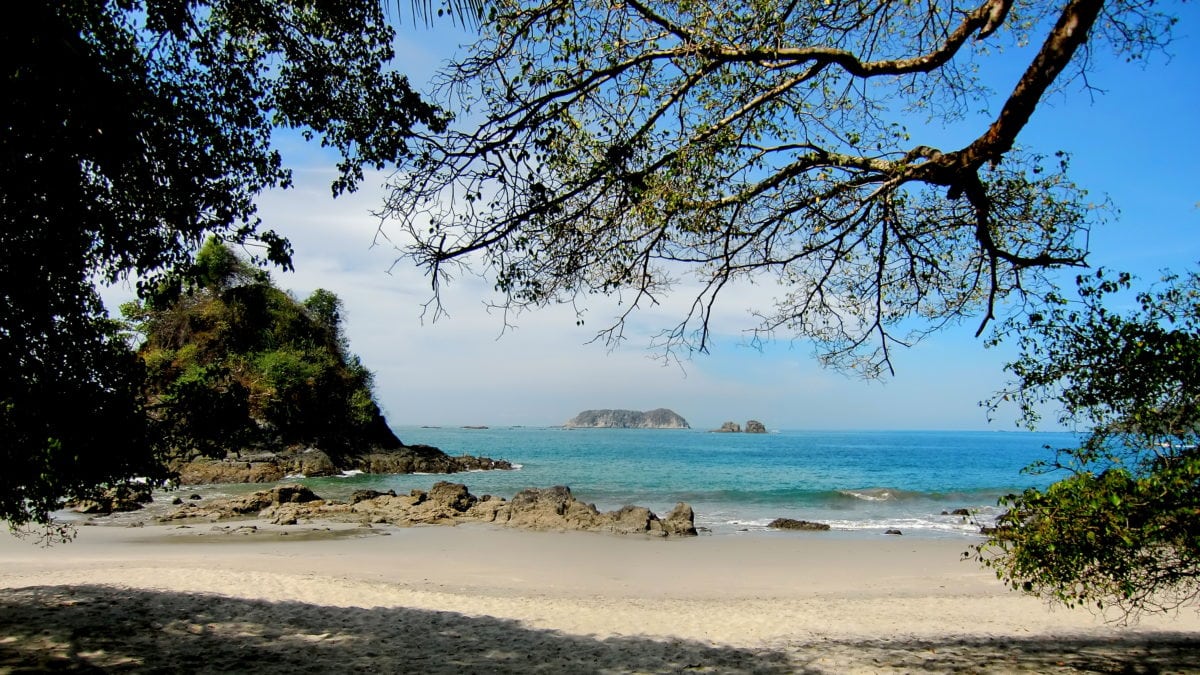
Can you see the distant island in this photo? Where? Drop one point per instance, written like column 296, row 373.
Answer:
column 660, row 418
column 752, row 427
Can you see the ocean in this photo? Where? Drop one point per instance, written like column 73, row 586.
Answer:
column 859, row 482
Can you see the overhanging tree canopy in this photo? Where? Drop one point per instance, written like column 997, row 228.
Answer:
column 130, row 131
column 612, row 146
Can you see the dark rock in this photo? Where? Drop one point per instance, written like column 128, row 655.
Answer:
column 114, row 499
column 270, row 467
column 453, row 496
column 363, row 495
column 471, row 463
column 960, row 512
column 446, row 503
column 424, row 459
column 312, row 463
column 248, row 505
column 893, row 532
column 177, row 501
column 195, row 497
column 554, row 499
column 208, row 471
column 680, row 522
column 791, row 524
column 89, row 506
column 755, row 427
column 557, row 508
column 632, row 519
column 295, row 494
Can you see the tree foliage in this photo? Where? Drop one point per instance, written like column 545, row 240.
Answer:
column 130, row 131
column 237, row 364
column 620, row 147
column 1122, row 528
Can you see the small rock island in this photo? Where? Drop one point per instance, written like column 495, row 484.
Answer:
column 659, row 418
column 752, row 427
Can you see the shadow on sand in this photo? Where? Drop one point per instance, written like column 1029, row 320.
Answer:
column 103, row 629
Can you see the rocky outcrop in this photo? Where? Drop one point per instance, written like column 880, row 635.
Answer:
column 445, row 503
column 660, row 418
column 791, row 524
column 752, row 427
column 557, row 509
column 113, row 499
column 258, row 385
column 247, row 505
column 681, row 521
column 270, row 467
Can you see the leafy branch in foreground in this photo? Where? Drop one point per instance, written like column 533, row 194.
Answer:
column 618, row 148
column 1122, row 529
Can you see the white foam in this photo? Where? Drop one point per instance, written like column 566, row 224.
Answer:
column 872, row 494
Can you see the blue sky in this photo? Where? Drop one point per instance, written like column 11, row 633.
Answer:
column 1134, row 143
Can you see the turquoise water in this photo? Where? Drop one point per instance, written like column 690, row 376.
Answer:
column 855, row 481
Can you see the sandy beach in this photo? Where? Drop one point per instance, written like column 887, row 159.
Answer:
column 341, row 598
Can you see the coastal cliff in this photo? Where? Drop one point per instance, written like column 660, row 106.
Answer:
column 660, row 418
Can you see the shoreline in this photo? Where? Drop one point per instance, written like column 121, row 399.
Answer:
column 948, row 526
column 729, row 604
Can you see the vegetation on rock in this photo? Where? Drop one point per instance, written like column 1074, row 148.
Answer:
column 235, row 365
column 752, row 427
column 659, row 418
column 235, row 362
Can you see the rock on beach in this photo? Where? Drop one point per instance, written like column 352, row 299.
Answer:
column 446, row 503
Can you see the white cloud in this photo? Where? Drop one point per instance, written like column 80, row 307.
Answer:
column 461, row 370
column 469, row 369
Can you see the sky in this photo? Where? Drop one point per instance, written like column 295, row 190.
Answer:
column 1135, row 143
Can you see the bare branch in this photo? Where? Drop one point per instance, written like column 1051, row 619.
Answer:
column 746, row 142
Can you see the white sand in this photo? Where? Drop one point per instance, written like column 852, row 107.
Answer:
column 478, row 599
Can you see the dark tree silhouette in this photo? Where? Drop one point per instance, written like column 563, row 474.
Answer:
column 130, row 131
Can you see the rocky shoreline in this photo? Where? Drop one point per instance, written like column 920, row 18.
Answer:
column 445, row 503
column 272, row 467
